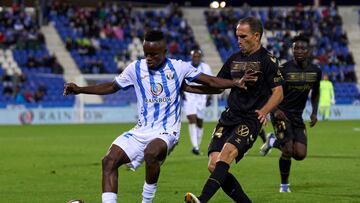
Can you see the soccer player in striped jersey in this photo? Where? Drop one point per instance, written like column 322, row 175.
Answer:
column 195, row 104
column 157, row 81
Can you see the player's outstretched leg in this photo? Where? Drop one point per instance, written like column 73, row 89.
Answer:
column 231, row 185
column 218, row 176
column 266, row 147
column 154, row 153
column 114, row 158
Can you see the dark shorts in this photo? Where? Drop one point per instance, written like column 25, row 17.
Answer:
column 285, row 131
column 242, row 135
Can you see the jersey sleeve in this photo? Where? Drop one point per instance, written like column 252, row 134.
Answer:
column 127, row 77
column 225, row 71
column 191, row 73
column 207, row 70
column 273, row 75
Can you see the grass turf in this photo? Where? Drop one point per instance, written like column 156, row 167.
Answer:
column 56, row 163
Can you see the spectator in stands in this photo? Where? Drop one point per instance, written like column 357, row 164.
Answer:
column 18, row 96
column 40, row 92
column 8, row 85
column 29, row 98
column 32, row 62
column 2, row 40
column 57, row 67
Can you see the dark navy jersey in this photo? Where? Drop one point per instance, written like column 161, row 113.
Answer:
column 243, row 103
column 298, row 83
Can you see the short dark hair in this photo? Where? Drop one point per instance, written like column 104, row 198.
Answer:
column 254, row 24
column 154, row 36
column 302, row 38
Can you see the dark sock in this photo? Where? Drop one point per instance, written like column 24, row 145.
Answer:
column 262, row 135
column 214, row 182
column 233, row 189
column 284, row 165
column 276, row 144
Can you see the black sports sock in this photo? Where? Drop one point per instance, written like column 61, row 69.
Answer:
column 214, row 182
column 262, row 135
column 233, row 189
column 284, row 165
column 276, row 144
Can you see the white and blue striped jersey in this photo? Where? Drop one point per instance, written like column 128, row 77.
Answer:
column 157, row 92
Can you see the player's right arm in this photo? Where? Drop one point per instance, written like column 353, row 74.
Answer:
column 200, row 89
column 100, row 89
column 216, row 85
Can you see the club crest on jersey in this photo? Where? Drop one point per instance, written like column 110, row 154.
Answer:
column 156, row 89
column 170, row 75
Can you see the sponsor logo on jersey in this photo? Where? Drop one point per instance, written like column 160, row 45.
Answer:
column 158, row 100
column 243, row 131
column 156, row 89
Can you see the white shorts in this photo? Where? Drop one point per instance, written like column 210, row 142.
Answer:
column 194, row 104
column 133, row 144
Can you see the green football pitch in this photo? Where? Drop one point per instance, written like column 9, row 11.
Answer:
column 56, row 163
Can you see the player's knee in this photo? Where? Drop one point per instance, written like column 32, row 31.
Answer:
column 299, row 156
column 211, row 167
column 150, row 157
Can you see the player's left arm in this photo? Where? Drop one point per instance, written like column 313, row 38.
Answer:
column 315, row 95
column 274, row 80
column 274, row 100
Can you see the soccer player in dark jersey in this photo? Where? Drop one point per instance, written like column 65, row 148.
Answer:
column 300, row 76
column 241, row 122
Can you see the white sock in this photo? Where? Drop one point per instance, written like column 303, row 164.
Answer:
column 271, row 141
column 148, row 193
column 109, row 197
column 193, row 135
column 200, row 132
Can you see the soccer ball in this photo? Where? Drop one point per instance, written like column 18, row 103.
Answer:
column 76, row 201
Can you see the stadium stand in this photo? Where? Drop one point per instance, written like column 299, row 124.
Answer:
column 108, row 44
column 116, row 34
column 105, row 38
column 30, row 75
column 323, row 26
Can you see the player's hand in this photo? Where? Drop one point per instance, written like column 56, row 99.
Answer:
column 313, row 120
column 333, row 100
column 280, row 115
column 249, row 76
column 71, row 88
column 261, row 116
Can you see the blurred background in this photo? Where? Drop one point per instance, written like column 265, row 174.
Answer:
column 46, row 43
column 51, row 146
